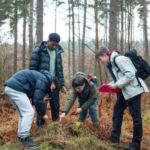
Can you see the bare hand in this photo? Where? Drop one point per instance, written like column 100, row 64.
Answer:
column 45, row 117
column 53, row 87
column 63, row 89
column 112, row 86
column 76, row 111
column 46, row 99
column 62, row 116
column 79, row 110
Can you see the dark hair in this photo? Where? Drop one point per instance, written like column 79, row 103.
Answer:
column 102, row 50
column 54, row 37
column 78, row 81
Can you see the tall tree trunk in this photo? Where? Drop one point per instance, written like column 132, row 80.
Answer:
column 125, row 29
column 145, row 32
column 83, row 36
column 106, row 27
column 31, row 28
column 98, row 71
column 73, row 37
column 113, row 25
column 118, row 30
column 24, row 34
column 133, row 28
column 56, row 16
column 129, row 24
column 39, row 21
column 79, row 41
column 131, row 41
column 69, row 43
column 122, row 27
column 15, row 34
column 96, row 26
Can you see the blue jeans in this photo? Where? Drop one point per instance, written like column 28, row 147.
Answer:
column 92, row 112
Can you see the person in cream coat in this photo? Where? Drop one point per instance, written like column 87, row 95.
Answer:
column 124, row 77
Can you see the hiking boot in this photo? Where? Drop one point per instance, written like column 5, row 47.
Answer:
column 133, row 146
column 96, row 124
column 114, row 140
column 27, row 142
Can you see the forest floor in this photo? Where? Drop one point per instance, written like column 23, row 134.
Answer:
column 68, row 135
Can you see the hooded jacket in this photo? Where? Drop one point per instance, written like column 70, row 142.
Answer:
column 34, row 84
column 85, row 103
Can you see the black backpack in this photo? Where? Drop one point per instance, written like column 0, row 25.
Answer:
column 142, row 67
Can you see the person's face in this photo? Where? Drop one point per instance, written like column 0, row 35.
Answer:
column 103, row 59
column 79, row 89
column 52, row 45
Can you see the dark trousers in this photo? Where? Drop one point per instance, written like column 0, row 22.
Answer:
column 39, row 120
column 54, row 104
column 134, row 106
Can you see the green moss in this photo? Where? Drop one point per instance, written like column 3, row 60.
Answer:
column 2, row 128
column 147, row 117
column 58, row 136
column 15, row 146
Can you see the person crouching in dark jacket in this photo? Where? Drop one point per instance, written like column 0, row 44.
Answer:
column 86, row 92
column 22, row 86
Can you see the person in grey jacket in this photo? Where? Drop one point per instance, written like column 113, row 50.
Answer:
column 131, row 89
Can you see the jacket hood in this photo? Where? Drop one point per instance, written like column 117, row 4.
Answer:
column 83, row 75
column 43, row 46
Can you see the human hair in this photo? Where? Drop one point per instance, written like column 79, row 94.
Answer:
column 54, row 37
column 102, row 50
column 78, row 81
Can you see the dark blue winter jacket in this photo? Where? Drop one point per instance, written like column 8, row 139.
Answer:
column 33, row 83
column 40, row 60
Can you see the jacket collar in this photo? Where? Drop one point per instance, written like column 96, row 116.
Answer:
column 112, row 55
column 43, row 47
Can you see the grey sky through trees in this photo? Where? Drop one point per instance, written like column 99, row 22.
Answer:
column 62, row 28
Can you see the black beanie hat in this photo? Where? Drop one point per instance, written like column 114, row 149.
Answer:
column 54, row 37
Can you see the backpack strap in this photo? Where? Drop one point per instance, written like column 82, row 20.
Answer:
column 138, row 81
column 114, row 61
